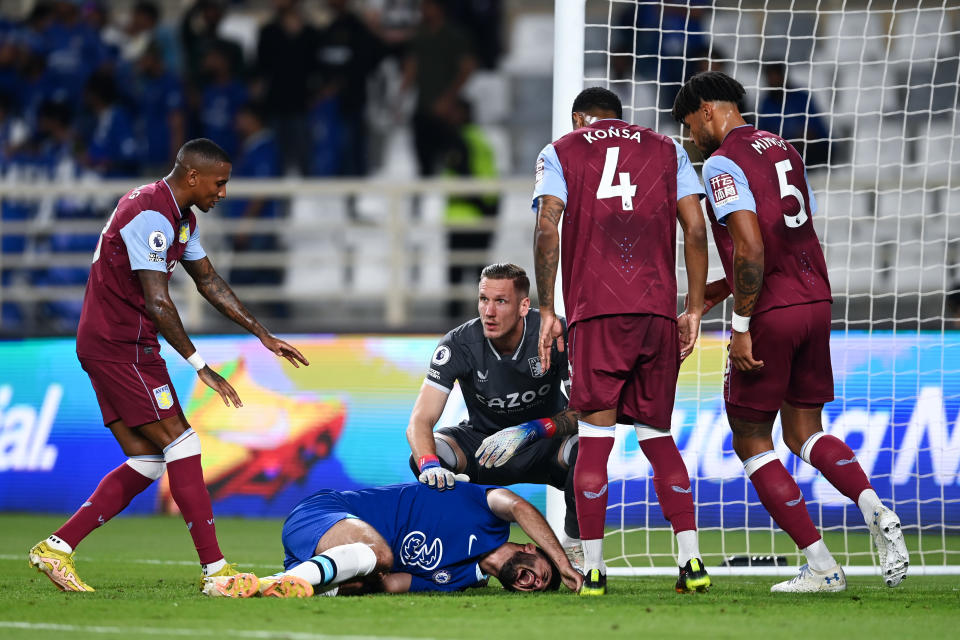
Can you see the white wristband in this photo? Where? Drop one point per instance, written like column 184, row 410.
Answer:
column 197, row 361
column 740, row 324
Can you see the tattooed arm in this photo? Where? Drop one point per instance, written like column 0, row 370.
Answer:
column 747, row 282
column 546, row 258
column 166, row 319
column 566, row 422
column 218, row 293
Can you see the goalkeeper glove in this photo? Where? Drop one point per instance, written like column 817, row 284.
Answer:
column 497, row 449
column 435, row 476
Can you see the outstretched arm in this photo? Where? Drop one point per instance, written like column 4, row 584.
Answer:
column 546, row 258
column 426, row 411
column 163, row 312
column 219, row 294
column 508, row 506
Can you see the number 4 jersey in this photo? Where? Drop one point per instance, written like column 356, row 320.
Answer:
column 757, row 171
column 145, row 231
column 619, row 184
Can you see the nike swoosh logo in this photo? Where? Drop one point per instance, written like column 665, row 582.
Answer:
column 85, row 504
column 591, row 495
column 793, row 503
column 841, row 463
column 472, row 539
column 681, row 489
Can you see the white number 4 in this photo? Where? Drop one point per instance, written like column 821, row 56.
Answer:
column 625, row 191
column 787, row 189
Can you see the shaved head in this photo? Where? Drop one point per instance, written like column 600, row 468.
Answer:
column 200, row 174
column 199, row 153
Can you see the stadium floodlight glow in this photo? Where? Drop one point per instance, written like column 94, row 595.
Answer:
column 880, row 84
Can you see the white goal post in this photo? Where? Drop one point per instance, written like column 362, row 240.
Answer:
column 878, row 122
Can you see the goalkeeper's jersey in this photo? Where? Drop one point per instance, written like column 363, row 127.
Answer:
column 500, row 390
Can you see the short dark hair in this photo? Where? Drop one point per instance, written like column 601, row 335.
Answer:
column 508, row 271
column 555, row 577
column 707, row 86
column 203, row 150
column 600, row 99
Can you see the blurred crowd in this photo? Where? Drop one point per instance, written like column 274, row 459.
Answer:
column 85, row 94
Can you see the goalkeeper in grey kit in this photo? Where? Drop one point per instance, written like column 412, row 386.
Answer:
column 519, row 429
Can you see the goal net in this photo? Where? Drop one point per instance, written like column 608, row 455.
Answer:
column 867, row 91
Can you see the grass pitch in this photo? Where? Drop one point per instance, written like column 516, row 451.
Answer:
column 145, row 573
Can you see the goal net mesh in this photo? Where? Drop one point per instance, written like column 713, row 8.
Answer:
column 867, row 92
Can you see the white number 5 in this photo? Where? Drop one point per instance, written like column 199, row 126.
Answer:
column 625, row 191
column 787, row 189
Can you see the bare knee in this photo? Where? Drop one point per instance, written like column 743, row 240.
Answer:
column 751, row 438
column 384, row 557
column 799, row 424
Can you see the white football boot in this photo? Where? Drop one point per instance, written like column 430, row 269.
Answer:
column 891, row 549
column 810, row 581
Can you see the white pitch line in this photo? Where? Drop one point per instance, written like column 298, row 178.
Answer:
column 157, row 631
column 177, row 563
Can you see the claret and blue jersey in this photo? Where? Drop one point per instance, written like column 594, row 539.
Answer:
column 620, row 184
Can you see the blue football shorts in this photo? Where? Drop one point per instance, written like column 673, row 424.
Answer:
column 307, row 523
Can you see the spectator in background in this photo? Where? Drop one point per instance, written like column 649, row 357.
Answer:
column 792, row 114
column 470, row 155
column 144, row 31
column 439, row 63
column 55, row 158
column 483, row 20
column 659, row 38
column 160, row 117
column 111, row 146
column 75, row 50
column 222, row 96
column 347, row 54
column 199, row 34
column 258, row 158
column 286, row 67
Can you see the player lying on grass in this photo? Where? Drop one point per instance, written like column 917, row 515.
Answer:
column 408, row 537
column 760, row 207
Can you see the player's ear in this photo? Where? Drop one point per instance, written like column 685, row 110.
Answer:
column 578, row 120
column 524, row 306
column 706, row 109
column 193, row 177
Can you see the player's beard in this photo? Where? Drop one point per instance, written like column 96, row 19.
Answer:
column 511, row 569
column 710, row 144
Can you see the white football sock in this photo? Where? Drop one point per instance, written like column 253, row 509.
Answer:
column 213, row 567
column 869, row 503
column 593, row 555
column 688, row 546
column 58, row 544
column 337, row 564
column 819, row 557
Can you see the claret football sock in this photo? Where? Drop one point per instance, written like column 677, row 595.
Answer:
column 336, row 565
column 111, row 496
column 837, row 462
column 781, row 497
column 190, row 493
column 670, row 478
column 590, row 481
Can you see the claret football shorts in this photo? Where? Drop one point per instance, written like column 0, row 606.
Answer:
column 134, row 393
column 627, row 362
column 794, row 344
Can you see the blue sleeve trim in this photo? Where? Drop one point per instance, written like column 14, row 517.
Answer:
column 147, row 237
column 813, row 200
column 727, row 187
column 549, row 177
column 194, row 250
column 687, row 181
